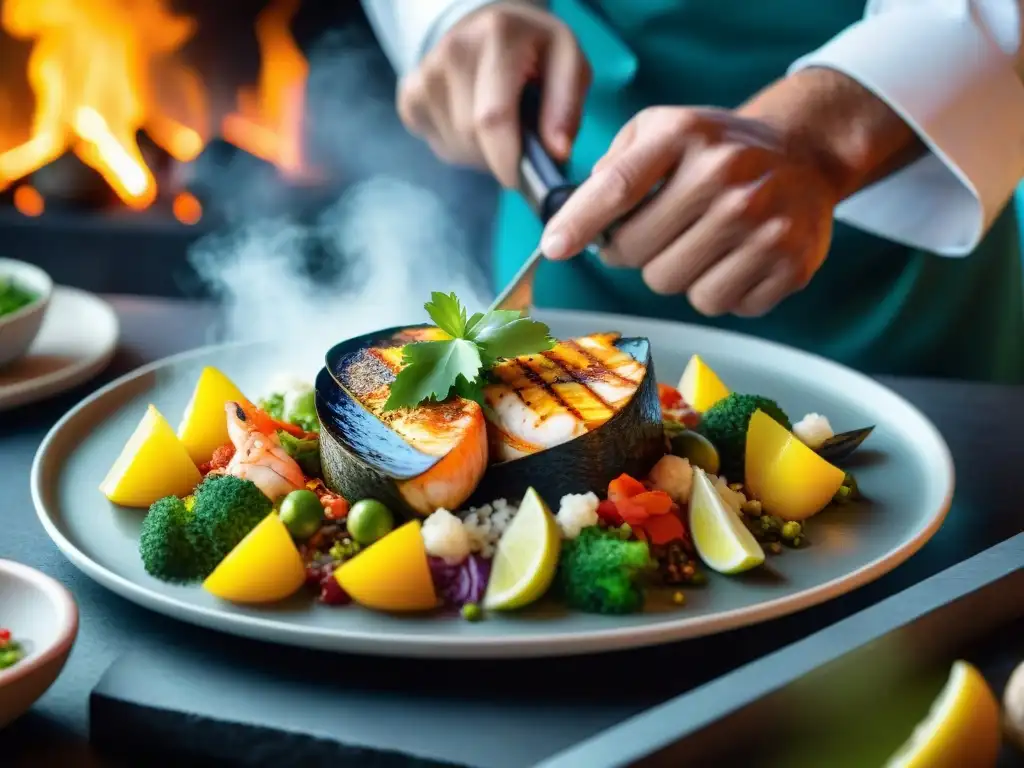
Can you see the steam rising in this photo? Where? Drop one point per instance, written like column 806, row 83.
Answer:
column 369, row 260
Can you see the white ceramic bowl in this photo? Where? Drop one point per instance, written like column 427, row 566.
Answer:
column 43, row 618
column 19, row 329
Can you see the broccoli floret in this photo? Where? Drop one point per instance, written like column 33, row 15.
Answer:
column 599, row 571
column 167, row 550
column 725, row 425
column 226, row 509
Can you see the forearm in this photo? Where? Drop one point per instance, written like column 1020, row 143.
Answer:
column 838, row 123
column 951, row 73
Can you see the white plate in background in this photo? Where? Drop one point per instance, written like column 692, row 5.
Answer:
column 77, row 341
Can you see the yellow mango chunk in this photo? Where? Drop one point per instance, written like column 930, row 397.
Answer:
column 789, row 479
column 154, row 463
column 700, row 386
column 264, row 567
column 204, row 427
column 392, row 574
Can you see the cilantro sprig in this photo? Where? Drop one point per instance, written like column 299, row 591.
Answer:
column 435, row 369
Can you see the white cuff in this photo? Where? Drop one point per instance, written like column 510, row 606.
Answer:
column 408, row 29
column 959, row 91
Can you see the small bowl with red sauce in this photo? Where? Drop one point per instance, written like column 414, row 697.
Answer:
column 38, row 618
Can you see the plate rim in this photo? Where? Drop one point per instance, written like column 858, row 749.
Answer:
column 532, row 645
column 33, row 390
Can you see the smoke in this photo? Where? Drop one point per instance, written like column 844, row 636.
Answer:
column 366, row 261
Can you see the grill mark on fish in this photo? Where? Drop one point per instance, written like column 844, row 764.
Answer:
column 577, row 375
column 539, row 381
column 598, row 362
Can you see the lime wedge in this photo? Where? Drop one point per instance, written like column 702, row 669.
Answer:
column 722, row 540
column 526, row 557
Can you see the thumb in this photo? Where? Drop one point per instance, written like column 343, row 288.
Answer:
column 566, row 82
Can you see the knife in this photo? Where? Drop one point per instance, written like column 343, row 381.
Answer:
column 545, row 185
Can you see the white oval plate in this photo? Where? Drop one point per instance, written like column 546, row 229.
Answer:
column 905, row 469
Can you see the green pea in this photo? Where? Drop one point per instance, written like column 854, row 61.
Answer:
column 369, row 520
column 471, row 612
column 302, row 513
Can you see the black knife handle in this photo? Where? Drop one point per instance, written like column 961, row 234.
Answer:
column 542, row 179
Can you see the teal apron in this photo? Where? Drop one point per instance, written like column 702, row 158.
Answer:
column 874, row 305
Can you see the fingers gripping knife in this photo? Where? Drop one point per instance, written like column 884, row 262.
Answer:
column 544, row 184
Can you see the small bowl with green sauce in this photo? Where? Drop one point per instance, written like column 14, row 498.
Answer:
column 42, row 619
column 25, row 292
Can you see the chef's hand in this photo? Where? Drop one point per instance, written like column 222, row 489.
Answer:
column 464, row 97
column 744, row 217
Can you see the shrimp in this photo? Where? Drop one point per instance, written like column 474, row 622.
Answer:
column 259, row 456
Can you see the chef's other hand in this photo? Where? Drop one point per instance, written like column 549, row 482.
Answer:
column 743, row 219
column 464, row 97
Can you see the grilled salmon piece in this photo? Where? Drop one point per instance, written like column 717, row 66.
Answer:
column 454, row 431
column 540, row 401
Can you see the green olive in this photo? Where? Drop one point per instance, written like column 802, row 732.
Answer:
column 369, row 520
column 302, row 513
column 700, row 451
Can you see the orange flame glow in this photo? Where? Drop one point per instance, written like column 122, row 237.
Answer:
column 268, row 122
column 90, row 71
column 101, row 71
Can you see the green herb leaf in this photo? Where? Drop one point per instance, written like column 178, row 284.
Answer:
column 432, row 370
column 447, row 313
column 502, row 334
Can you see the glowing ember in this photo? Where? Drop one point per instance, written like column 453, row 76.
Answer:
column 28, row 201
column 187, row 209
column 268, row 123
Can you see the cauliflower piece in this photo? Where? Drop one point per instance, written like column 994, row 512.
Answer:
column 446, row 537
column 576, row 511
column 674, row 476
column 813, row 430
column 733, row 499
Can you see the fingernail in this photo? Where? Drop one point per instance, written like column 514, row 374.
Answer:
column 562, row 144
column 554, row 245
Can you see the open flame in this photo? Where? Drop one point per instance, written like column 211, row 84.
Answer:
column 103, row 70
column 268, row 123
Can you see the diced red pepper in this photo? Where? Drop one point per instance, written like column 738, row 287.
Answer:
column 653, row 502
column 664, row 528
column 268, row 425
column 5, row 637
column 670, row 397
column 634, row 514
column 608, row 511
column 624, row 487
column 335, row 507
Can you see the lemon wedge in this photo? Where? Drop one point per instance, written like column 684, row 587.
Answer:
column 700, row 386
column 526, row 558
column 722, row 540
column 962, row 728
column 154, row 463
column 264, row 567
column 204, row 425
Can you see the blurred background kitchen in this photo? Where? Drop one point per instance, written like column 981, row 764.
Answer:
column 130, row 142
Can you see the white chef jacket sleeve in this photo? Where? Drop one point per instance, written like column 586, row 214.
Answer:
column 952, row 70
column 408, row 29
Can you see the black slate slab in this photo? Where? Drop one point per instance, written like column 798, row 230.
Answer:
column 248, row 704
